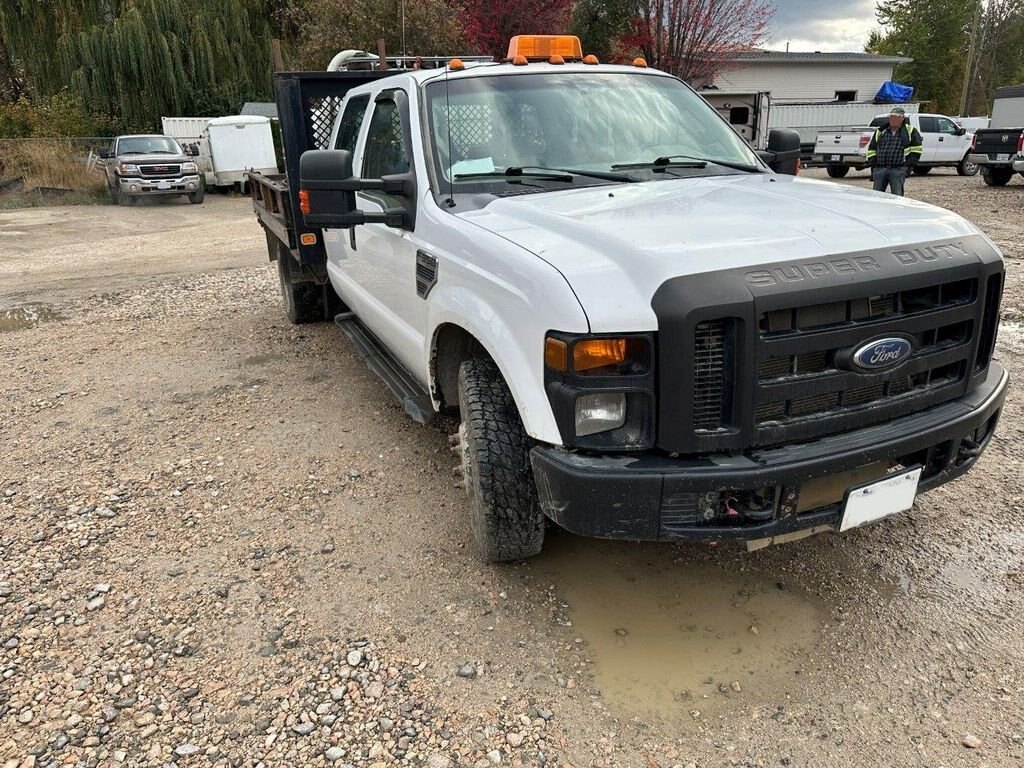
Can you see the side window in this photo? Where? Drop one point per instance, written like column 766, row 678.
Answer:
column 947, row 126
column 384, row 152
column 351, row 119
column 929, row 125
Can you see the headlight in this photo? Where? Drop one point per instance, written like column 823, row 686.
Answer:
column 601, row 389
column 600, row 413
column 189, row 168
column 128, row 169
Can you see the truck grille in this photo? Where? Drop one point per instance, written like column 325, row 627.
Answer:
column 801, row 381
column 713, row 367
column 157, row 171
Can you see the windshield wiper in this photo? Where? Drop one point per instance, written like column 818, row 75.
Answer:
column 672, row 162
column 545, row 174
column 697, row 162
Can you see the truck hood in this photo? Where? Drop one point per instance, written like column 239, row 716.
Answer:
column 617, row 244
column 155, row 159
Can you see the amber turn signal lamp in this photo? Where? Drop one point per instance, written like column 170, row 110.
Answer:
column 556, row 355
column 308, row 238
column 304, row 201
column 598, row 353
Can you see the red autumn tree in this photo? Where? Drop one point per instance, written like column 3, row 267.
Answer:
column 489, row 24
column 696, row 39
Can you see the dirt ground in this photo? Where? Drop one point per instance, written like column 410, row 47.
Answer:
column 223, row 543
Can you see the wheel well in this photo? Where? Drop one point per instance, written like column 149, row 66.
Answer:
column 452, row 346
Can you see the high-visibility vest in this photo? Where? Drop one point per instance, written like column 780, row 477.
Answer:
column 910, row 149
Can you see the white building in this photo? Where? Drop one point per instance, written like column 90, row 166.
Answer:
column 809, row 76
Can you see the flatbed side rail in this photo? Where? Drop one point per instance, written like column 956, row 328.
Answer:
column 272, row 205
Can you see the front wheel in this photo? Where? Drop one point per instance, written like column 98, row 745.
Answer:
column 197, row 197
column 504, row 513
column 997, row 177
column 967, row 168
column 837, row 171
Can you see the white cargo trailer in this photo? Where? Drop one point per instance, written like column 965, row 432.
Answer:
column 753, row 115
column 234, row 145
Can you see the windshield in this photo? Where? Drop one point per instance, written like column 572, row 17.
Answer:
column 148, row 145
column 575, row 120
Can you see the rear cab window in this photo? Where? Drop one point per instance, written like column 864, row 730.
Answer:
column 350, row 123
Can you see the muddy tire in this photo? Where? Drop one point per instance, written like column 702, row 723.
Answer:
column 197, row 197
column 997, row 177
column 505, row 516
column 116, row 196
column 837, row 171
column 303, row 299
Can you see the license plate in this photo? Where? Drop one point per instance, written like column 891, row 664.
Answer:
column 163, row 185
column 883, row 498
column 1002, row 158
column 836, row 158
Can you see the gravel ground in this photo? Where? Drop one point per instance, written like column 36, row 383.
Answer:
column 222, row 543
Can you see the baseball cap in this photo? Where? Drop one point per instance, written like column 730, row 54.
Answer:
column 899, row 111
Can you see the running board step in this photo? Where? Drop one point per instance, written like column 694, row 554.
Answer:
column 403, row 385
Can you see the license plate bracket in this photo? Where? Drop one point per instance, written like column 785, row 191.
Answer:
column 163, row 185
column 1001, row 158
column 881, row 498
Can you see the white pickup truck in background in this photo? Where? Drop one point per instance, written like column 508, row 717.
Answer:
column 946, row 144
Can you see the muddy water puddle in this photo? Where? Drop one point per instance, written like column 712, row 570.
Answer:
column 669, row 633
column 28, row 316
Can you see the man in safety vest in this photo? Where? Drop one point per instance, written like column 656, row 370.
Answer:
column 893, row 150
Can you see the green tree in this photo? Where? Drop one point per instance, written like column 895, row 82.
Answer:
column 133, row 61
column 329, row 26
column 599, row 24
column 935, row 34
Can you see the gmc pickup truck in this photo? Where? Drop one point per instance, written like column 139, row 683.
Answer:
column 644, row 331
column 999, row 152
column 144, row 166
column 946, row 145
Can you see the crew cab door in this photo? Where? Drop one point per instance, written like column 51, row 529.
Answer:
column 929, row 128
column 951, row 146
column 373, row 266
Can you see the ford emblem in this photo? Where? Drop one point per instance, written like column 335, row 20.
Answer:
column 882, row 354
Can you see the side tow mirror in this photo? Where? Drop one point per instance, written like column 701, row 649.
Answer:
column 961, row 131
column 193, row 150
column 328, row 192
column 105, row 154
column 784, row 151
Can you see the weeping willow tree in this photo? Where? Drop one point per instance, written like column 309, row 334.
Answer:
column 135, row 60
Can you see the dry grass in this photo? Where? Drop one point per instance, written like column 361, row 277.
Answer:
column 51, row 163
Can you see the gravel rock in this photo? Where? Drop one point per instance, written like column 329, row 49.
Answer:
column 467, row 671
column 304, row 729
column 333, row 754
column 354, row 658
column 95, row 604
column 438, row 761
column 971, row 741
column 184, row 750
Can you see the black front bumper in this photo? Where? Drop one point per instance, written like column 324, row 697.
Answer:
column 638, row 497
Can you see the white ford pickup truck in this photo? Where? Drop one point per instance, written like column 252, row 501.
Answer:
column 946, row 145
column 645, row 332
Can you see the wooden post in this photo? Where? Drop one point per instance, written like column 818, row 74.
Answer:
column 383, row 63
column 275, row 46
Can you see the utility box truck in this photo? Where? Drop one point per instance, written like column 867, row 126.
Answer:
column 644, row 330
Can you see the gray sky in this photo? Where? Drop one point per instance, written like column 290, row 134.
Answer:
column 821, row 25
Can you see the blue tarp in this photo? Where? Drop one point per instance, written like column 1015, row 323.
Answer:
column 894, row 93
